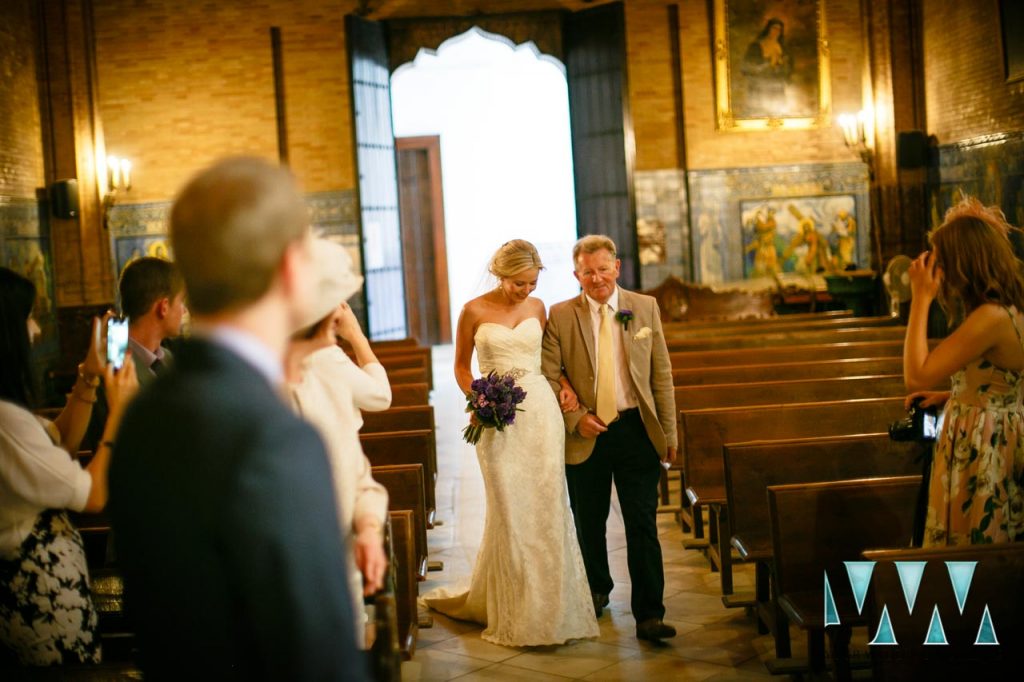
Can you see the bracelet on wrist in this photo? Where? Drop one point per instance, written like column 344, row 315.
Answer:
column 90, row 380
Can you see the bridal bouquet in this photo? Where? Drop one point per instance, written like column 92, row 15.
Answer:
column 493, row 400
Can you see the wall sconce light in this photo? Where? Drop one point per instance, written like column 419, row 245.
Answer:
column 855, row 134
column 119, row 179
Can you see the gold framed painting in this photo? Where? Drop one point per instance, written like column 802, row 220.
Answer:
column 771, row 65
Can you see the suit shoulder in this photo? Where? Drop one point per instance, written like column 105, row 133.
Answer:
column 561, row 307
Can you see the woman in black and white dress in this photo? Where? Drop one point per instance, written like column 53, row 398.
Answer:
column 46, row 614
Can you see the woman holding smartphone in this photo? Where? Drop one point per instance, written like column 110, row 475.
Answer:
column 976, row 486
column 46, row 614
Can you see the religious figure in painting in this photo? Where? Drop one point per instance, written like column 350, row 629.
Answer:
column 843, row 240
column 766, row 255
column 767, row 66
column 710, row 231
column 811, row 251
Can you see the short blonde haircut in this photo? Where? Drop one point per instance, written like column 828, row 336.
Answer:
column 972, row 247
column 230, row 227
column 513, row 257
column 592, row 243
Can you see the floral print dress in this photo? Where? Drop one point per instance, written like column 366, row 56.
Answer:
column 976, row 488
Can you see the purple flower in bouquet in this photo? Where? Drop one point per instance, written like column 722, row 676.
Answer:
column 493, row 399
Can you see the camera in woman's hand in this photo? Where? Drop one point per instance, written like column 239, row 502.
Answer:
column 921, row 424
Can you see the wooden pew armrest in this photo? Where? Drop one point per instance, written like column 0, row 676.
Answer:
column 705, row 495
column 751, row 548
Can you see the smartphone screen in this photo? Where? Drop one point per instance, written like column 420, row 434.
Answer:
column 930, row 427
column 117, row 341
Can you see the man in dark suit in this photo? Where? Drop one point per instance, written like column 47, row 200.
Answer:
column 223, row 508
column 153, row 299
column 610, row 344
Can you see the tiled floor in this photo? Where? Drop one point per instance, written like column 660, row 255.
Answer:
column 714, row 643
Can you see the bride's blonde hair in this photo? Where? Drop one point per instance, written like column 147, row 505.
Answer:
column 972, row 247
column 513, row 257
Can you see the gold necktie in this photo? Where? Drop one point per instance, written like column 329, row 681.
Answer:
column 606, row 404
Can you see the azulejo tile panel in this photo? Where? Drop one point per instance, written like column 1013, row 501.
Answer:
column 989, row 167
column 728, row 205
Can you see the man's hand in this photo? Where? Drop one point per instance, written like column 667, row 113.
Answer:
column 370, row 558
column 670, row 455
column 589, row 426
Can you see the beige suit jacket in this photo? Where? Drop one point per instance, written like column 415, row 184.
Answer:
column 569, row 348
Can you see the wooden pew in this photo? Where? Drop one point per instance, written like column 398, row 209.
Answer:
column 774, row 354
column 798, row 390
column 703, row 433
column 818, row 526
column 997, row 586
column 403, row 543
column 787, row 339
column 411, row 418
column 409, row 375
column 751, row 467
column 406, row 447
column 770, row 320
column 405, row 485
column 824, row 369
column 781, row 324
column 410, row 395
column 408, row 358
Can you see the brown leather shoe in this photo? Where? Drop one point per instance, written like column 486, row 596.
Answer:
column 654, row 630
column 600, row 601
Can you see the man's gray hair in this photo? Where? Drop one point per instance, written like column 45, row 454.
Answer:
column 591, row 244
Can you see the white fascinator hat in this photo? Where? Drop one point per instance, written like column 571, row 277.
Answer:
column 335, row 280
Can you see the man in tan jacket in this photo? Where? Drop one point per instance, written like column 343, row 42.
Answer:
column 609, row 343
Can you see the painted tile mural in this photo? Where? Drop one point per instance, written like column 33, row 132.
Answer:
column 141, row 229
column 25, row 248
column 804, row 235
column 756, row 222
column 990, row 168
column 663, row 233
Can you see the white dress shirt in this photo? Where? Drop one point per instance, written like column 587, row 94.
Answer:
column 35, row 475
column 625, row 398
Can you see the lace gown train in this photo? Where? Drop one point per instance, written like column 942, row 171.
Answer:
column 529, row 586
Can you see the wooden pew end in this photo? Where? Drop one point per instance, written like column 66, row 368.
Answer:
column 435, row 565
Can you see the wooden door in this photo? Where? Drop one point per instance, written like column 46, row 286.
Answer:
column 421, row 207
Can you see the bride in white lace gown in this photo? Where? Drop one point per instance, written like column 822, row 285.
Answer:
column 529, row 586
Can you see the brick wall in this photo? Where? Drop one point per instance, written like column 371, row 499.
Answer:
column 21, row 146
column 966, row 92
column 181, row 84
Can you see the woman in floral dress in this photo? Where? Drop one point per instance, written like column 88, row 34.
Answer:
column 976, row 486
column 46, row 611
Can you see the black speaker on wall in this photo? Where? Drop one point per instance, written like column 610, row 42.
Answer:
column 911, row 149
column 64, row 198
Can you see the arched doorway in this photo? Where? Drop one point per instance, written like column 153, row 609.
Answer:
column 501, row 113
column 590, row 42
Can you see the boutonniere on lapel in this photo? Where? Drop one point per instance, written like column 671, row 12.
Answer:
column 643, row 333
column 624, row 317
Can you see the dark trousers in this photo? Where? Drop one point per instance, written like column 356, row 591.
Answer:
column 623, row 453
